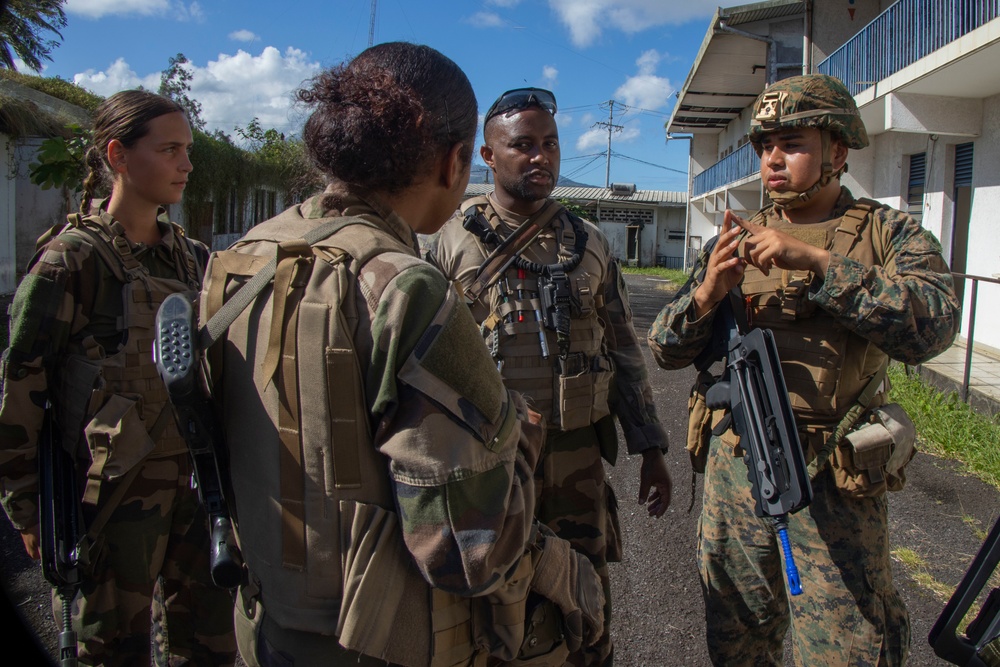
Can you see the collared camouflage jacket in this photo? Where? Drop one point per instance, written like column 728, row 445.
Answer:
column 68, row 295
column 907, row 308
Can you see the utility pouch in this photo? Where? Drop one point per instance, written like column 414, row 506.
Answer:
column 583, row 394
column 872, row 459
column 543, row 644
column 699, row 432
column 118, row 441
column 383, row 610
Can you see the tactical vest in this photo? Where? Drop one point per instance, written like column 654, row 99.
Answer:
column 113, row 401
column 572, row 393
column 825, row 365
column 320, row 533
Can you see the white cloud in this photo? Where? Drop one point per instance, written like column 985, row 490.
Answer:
column 95, row 9
column 118, row 76
column 232, row 89
column 645, row 89
column 192, row 12
column 586, row 19
column 549, row 76
column 242, row 36
column 597, row 137
column 485, row 20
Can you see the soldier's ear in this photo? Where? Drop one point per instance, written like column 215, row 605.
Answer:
column 453, row 167
column 486, row 152
column 116, row 156
column 838, row 154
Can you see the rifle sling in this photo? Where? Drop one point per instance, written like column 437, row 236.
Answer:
column 512, row 246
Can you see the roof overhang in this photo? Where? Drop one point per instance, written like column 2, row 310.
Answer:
column 730, row 70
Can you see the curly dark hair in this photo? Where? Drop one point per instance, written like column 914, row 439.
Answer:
column 381, row 116
column 124, row 116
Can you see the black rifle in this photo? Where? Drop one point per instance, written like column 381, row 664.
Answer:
column 60, row 522
column 753, row 389
column 967, row 649
column 178, row 360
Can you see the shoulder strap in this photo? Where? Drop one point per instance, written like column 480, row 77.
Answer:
column 195, row 271
column 227, row 314
column 512, row 246
column 851, row 224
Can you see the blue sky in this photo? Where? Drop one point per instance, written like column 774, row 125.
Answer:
column 248, row 56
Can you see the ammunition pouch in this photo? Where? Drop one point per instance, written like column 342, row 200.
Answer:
column 118, row 441
column 872, row 458
column 582, row 390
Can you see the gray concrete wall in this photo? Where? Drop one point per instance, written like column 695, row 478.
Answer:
column 8, row 236
column 832, row 23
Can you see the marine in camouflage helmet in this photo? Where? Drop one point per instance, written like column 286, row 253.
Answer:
column 813, row 100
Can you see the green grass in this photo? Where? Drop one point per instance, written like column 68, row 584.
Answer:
column 948, row 427
column 673, row 275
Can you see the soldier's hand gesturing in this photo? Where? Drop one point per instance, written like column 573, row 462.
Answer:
column 724, row 270
column 766, row 247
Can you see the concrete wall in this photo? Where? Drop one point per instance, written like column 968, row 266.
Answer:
column 8, row 236
column 983, row 257
column 35, row 210
column 833, row 23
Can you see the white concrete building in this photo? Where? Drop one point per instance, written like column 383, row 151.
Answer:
column 643, row 227
column 924, row 77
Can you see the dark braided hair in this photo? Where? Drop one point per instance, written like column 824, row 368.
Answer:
column 379, row 118
column 124, row 116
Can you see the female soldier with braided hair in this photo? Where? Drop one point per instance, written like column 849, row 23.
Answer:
column 81, row 334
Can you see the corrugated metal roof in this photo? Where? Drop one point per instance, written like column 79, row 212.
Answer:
column 762, row 11
column 729, row 71
column 578, row 194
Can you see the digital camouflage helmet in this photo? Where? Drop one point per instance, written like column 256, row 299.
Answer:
column 812, row 100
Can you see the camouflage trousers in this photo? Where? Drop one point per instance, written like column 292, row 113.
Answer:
column 574, row 500
column 153, row 567
column 849, row 612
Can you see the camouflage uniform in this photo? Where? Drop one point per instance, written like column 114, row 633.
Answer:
column 71, row 303
column 849, row 611
column 574, row 498
column 442, row 429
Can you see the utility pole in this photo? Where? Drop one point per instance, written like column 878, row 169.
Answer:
column 611, row 128
column 371, row 25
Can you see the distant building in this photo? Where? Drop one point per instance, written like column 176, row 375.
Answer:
column 643, row 227
column 924, row 77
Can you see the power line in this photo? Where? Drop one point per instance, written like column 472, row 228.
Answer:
column 658, row 166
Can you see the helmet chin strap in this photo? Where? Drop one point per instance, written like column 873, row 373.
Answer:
column 787, row 200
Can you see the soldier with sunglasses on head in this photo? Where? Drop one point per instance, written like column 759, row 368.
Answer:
column 554, row 312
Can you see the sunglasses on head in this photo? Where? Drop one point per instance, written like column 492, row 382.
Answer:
column 522, row 98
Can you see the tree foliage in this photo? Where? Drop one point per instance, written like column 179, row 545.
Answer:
column 175, row 83
column 60, row 161
column 24, row 28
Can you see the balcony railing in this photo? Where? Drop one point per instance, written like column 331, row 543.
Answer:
column 902, row 34
column 740, row 164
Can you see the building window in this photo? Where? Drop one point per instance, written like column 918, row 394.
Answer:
column 915, row 186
